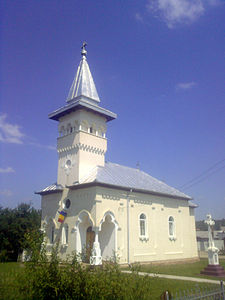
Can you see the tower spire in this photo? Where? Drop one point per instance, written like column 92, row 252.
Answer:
column 83, row 83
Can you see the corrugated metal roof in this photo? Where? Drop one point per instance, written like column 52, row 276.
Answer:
column 51, row 189
column 81, row 102
column 122, row 176
column 83, row 83
column 192, row 204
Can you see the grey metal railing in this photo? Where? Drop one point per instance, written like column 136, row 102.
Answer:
column 203, row 293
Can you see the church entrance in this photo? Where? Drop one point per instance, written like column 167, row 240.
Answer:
column 85, row 236
column 90, row 238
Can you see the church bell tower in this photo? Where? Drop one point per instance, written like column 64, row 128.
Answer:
column 82, row 143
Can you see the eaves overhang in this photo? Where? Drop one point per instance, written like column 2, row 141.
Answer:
column 48, row 192
column 124, row 188
column 81, row 102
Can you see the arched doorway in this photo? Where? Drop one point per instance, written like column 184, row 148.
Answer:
column 108, row 236
column 90, row 238
column 84, row 235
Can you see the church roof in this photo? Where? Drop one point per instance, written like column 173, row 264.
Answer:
column 53, row 188
column 129, row 178
column 85, row 103
column 82, row 94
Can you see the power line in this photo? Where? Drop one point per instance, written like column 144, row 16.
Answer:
column 202, row 179
column 202, row 174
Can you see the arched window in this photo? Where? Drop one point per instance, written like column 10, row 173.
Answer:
column 84, row 126
column 171, row 227
column 62, row 131
column 69, row 129
column 142, row 223
column 92, row 129
column 65, row 234
column 99, row 132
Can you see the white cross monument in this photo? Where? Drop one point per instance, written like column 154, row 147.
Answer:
column 212, row 250
column 213, row 268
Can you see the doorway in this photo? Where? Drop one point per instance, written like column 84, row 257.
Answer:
column 90, row 238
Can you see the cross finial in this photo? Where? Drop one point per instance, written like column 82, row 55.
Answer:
column 209, row 221
column 84, row 51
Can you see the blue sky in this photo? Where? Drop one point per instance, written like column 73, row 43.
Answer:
column 158, row 64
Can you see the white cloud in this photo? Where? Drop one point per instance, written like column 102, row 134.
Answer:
column 6, row 193
column 175, row 12
column 49, row 147
column 7, row 170
column 139, row 17
column 185, row 85
column 10, row 133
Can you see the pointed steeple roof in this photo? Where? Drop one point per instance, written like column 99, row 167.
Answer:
column 82, row 94
column 83, row 83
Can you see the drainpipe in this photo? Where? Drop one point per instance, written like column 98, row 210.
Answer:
column 128, row 226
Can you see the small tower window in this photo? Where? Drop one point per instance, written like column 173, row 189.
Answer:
column 62, row 131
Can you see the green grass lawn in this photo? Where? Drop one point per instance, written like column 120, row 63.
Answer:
column 188, row 269
column 9, row 272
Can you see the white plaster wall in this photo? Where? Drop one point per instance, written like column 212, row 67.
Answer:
column 97, row 201
column 84, row 149
column 81, row 200
column 158, row 246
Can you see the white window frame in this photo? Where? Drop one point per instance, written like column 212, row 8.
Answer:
column 172, row 236
column 143, row 237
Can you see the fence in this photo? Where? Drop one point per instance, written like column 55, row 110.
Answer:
column 206, row 293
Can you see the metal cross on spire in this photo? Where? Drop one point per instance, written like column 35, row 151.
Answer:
column 84, row 51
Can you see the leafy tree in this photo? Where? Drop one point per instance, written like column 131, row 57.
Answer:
column 14, row 223
column 201, row 225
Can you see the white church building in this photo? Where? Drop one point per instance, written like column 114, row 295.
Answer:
column 102, row 209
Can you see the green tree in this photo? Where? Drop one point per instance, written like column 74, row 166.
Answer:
column 14, row 224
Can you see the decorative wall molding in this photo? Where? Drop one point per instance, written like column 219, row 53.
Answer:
column 171, row 253
column 145, row 254
column 113, row 220
column 82, row 147
column 144, row 238
column 110, row 197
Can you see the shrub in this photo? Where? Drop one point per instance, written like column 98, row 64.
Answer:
column 52, row 279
